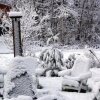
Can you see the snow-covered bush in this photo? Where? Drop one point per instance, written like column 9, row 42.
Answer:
column 70, row 61
column 19, row 80
column 52, row 61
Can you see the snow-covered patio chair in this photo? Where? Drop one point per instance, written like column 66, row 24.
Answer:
column 76, row 78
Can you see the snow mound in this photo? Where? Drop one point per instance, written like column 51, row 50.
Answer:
column 53, row 97
column 21, row 97
column 19, row 66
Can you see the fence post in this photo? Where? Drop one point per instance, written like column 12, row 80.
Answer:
column 15, row 16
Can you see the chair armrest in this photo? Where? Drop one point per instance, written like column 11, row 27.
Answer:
column 64, row 72
column 39, row 71
column 85, row 76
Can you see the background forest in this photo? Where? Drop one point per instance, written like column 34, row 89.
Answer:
column 61, row 22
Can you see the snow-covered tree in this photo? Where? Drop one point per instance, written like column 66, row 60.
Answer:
column 52, row 61
column 29, row 21
column 61, row 19
column 43, row 19
column 66, row 21
column 88, row 11
column 6, row 29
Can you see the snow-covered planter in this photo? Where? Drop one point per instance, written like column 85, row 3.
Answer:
column 52, row 62
column 19, row 80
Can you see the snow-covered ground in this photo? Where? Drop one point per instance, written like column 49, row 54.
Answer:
column 4, row 61
column 3, row 47
column 66, row 53
column 51, row 85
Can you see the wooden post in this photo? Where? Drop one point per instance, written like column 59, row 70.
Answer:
column 15, row 16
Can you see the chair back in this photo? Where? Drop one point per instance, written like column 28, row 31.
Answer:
column 82, row 65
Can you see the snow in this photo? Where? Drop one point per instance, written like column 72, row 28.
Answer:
column 5, row 60
column 66, row 11
column 45, row 18
column 21, row 97
column 53, row 61
column 15, row 14
column 78, row 96
column 94, row 81
column 80, row 71
column 51, row 83
column 64, row 72
column 81, row 65
column 19, row 66
column 53, row 97
column 70, row 82
column 1, row 79
column 54, row 84
column 3, row 47
column 71, row 2
column 74, row 81
column 39, row 71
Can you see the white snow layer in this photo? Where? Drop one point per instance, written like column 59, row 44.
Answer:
column 53, row 86
column 19, row 66
column 3, row 46
column 15, row 14
column 21, row 97
column 53, row 97
column 94, row 81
